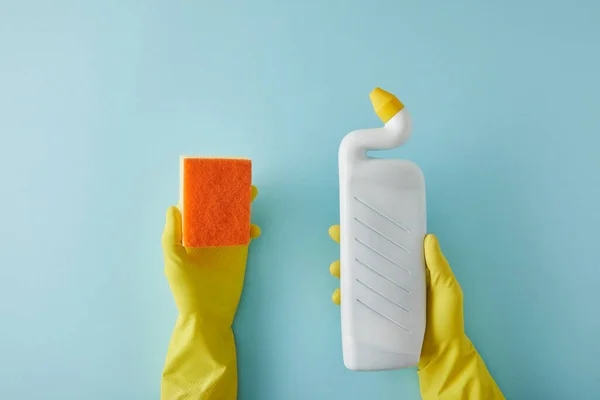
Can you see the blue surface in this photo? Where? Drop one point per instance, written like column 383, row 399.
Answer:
column 98, row 100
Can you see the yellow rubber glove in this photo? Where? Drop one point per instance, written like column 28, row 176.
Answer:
column 449, row 367
column 206, row 284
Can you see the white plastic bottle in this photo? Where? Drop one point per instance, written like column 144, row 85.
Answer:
column 383, row 224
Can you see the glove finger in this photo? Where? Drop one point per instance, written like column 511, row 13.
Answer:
column 336, row 297
column 253, row 193
column 334, row 233
column 172, row 233
column 439, row 269
column 254, row 231
column 334, row 268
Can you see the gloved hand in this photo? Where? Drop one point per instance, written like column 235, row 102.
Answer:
column 206, row 284
column 449, row 367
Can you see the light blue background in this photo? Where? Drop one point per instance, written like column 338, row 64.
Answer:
column 98, row 100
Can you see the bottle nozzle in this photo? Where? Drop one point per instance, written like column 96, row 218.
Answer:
column 386, row 105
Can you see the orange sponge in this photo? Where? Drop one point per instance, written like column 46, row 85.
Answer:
column 215, row 201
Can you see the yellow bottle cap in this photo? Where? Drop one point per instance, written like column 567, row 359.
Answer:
column 386, row 105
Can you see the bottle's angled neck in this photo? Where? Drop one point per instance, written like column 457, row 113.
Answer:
column 395, row 132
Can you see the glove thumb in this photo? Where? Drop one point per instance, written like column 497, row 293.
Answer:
column 172, row 234
column 439, row 269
